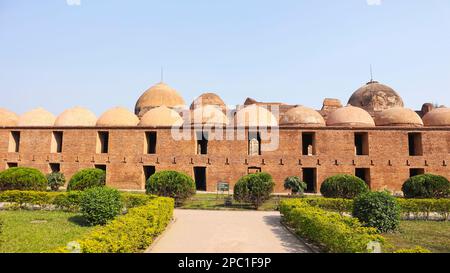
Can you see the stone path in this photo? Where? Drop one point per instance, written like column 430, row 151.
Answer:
column 200, row 231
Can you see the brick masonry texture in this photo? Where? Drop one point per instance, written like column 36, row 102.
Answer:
column 227, row 160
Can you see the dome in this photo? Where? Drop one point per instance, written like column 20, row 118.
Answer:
column 254, row 115
column 158, row 95
column 398, row 116
column 437, row 117
column 118, row 116
column 208, row 114
column 76, row 116
column 37, row 117
column 375, row 96
column 350, row 116
column 301, row 115
column 160, row 117
column 8, row 118
column 208, row 99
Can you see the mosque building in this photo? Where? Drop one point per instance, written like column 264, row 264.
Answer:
column 373, row 137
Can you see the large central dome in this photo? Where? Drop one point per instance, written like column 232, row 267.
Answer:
column 375, row 96
column 158, row 95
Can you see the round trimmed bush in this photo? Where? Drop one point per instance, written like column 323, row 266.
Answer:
column 98, row 205
column 343, row 186
column 56, row 180
column 426, row 186
column 295, row 185
column 21, row 178
column 87, row 178
column 254, row 188
column 377, row 209
column 171, row 184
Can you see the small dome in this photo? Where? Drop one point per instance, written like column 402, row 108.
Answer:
column 160, row 117
column 254, row 115
column 8, row 118
column 118, row 116
column 208, row 99
column 76, row 116
column 37, row 117
column 350, row 116
column 302, row 116
column 437, row 117
column 158, row 95
column 208, row 114
column 398, row 116
column 375, row 96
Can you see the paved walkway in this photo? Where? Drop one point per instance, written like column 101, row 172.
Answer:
column 200, row 231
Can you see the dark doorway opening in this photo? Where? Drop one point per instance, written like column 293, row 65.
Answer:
column 362, row 143
column 103, row 142
column 416, row 171
column 253, row 170
column 254, row 143
column 200, row 178
column 148, row 172
column 55, row 167
column 101, row 167
column 14, row 142
column 151, row 142
column 364, row 174
column 415, row 144
column 309, row 177
column 202, row 143
column 12, row 165
column 308, row 144
column 57, row 142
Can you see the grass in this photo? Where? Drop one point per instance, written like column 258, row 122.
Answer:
column 211, row 201
column 434, row 236
column 39, row 231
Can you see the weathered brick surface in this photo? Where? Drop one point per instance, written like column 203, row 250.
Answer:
column 227, row 160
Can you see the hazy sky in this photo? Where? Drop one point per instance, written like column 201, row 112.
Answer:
column 105, row 53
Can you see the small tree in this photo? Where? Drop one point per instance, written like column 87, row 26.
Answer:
column 22, row 178
column 343, row 186
column 56, row 180
column 254, row 188
column 87, row 178
column 295, row 185
column 426, row 186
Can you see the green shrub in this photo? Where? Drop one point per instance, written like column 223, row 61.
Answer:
column 331, row 231
column 171, row 184
column 87, row 178
column 295, row 185
column 254, row 188
column 133, row 200
column 132, row 232
column 21, row 178
column 426, row 186
column 343, row 186
column 55, row 181
column 22, row 199
column 377, row 209
column 100, row 204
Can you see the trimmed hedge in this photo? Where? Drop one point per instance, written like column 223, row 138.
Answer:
column 377, row 209
column 343, row 186
column 333, row 232
column 171, row 184
column 21, row 178
column 87, row 178
column 132, row 232
column 67, row 201
column 426, row 186
column 100, row 204
column 254, row 188
column 339, row 205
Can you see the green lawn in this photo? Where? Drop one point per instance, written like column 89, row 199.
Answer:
column 217, row 202
column 434, row 236
column 39, row 231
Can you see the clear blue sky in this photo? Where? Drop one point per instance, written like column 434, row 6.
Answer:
column 105, row 53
